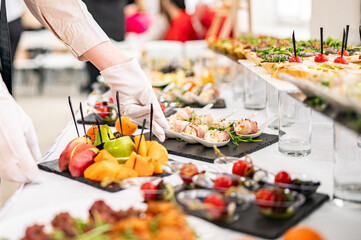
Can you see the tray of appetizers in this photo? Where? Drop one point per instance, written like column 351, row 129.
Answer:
column 243, row 198
column 104, row 159
column 193, row 133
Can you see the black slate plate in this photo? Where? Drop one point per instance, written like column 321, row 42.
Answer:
column 199, row 152
column 53, row 167
column 252, row 222
column 220, row 103
column 91, row 118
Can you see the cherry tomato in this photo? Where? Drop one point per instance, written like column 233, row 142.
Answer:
column 111, row 100
column 223, row 182
column 98, row 105
column 188, row 171
column 218, row 203
column 320, row 58
column 282, row 177
column 295, row 59
column 265, row 196
column 239, row 167
column 341, row 60
column 162, row 106
column 103, row 111
column 149, row 190
column 345, row 53
column 359, row 57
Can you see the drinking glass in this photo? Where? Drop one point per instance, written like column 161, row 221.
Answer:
column 346, row 168
column 237, row 83
column 294, row 126
column 272, row 105
column 254, row 96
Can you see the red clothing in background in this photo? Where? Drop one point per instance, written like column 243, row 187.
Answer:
column 181, row 28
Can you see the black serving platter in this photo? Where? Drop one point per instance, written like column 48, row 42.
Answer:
column 220, row 103
column 53, row 167
column 91, row 118
column 253, row 222
column 199, row 152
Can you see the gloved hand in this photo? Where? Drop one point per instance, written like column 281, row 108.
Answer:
column 135, row 95
column 18, row 142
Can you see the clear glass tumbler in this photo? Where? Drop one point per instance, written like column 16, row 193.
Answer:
column 272, row 104
column 346, row 168
column 254, row 96
column 295, row 126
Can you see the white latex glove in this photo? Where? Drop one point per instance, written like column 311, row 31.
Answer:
column 135, row 95
column 18, row 142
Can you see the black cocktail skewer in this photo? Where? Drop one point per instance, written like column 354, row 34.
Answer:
column 294, row 43
column 321, row 32
column 141, row 135
column 343, row 42
column 72, row 113
column 151, row 122
column 119, row 115
column 100, row 146
column 346, row 36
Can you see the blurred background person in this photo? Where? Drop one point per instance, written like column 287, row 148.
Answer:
column 14, row 9
column 110, row 15
column 180, row 22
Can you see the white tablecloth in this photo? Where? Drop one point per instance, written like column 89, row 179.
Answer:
column 39, row 202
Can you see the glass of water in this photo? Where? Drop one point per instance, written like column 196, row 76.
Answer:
column 254, row 96
column 295, row 126
column 347, row 168
column 272, row 104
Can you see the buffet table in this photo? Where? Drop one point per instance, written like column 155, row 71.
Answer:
column 38, row 203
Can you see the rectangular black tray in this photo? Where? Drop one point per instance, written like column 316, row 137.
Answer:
column 91, row 119
column 199, row 152
column 220, row 103
column 53, row 167
column 253, row 222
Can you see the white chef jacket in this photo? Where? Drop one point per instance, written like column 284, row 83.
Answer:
column 70, row 21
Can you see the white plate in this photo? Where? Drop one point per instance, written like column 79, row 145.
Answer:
column 206, row 143
column 200, row 100
column 172, row 134
column 254, row 135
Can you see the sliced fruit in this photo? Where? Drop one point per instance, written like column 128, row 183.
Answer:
column 67, row 153
column 131, row 161
column 82, row 159
column 157, row 166
column 125, row 173
column 158, row 152
column 143, row 166
column 128, row 126
column 143, row 147
column 99, row 170
column 104, row 155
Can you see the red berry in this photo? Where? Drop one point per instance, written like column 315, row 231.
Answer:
column 283, row 177
column 162, row 106
column 188, row 171
column 222, row 182
column 341, row 60
column 266, row 198
column 149, row 190
column 345, row 53
column 103, row 111
column 218, row 203
column 295, row 59
column 98, row 105
column 320, row 58
column 239, row 167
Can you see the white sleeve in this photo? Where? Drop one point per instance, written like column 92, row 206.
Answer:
column 70, row 21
